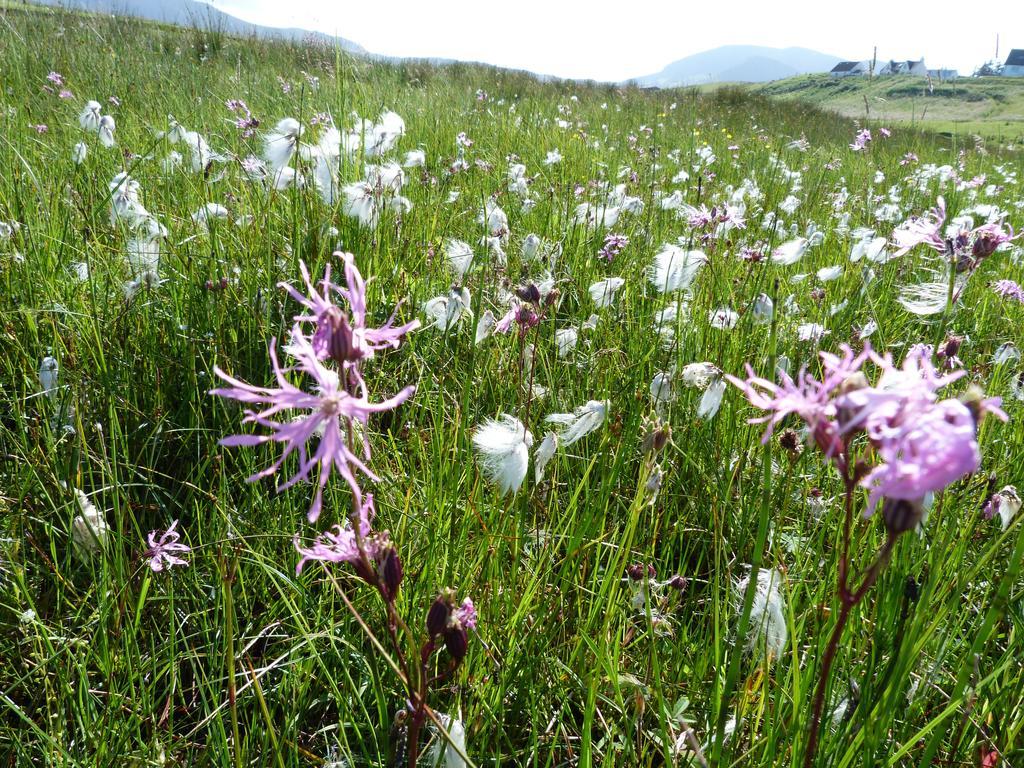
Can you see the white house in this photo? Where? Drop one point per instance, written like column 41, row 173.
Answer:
column 907, row 67
column 1014, row 66
column 850, row 68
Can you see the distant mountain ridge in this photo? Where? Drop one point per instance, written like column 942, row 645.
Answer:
column 191, row 13
column 739, row 63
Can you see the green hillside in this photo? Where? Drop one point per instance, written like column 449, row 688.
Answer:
column 992, row 107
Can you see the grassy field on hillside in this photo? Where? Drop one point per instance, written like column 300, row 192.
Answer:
column 587, row 265
column 991, row 107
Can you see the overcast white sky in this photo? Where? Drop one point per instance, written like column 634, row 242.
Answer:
column 615, row 41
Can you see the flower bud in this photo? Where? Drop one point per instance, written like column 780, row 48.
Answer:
column 456, row 641
column 389, row 572
column 529, row 293
column 678, row 583
column 902, row 515
column 334, row 335
column 657, row 438
column 440, row 611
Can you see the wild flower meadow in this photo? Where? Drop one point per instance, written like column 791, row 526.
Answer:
column 361, row 413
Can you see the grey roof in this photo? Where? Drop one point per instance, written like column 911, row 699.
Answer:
column 845, row 66
column 1016, row 58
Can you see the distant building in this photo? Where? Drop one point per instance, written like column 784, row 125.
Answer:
column 943, row 74
column 1014, row 66
column 903, row 68
column 850, row 68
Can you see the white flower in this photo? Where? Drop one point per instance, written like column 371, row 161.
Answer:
column 565, row 340
column 790, row 204
column 89, row 531
column 869, row 328
column 143, row 255
column 603, row 291
column 544, row 453
column 460, row 256
column 1006, row 353
column 762, row 309
column 89, row 119
column 723, row 318
column 675, row 269
column 503, row 448
column 360, row 203
column 415, row 158
column 1007, row 505
column 384, row 134
column 531, row 247
column 711, row 400
column 790, row 252
column 767, row 614
column 700, row 375
column 581, row 422
column 79, row 153
column 48, row 370
column 173, row 161
column 106, row 131
column 446, row 311
column 211, row 211
column 662, row 391
column 484, row 325
column 457, row 734
column 494, row 219
column 827, row 274
column 280, row 143
column 813, row 332
column 929, row 298
column 553, row 157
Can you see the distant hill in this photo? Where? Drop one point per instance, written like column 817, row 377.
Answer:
column 191, row 13
column 739, row 63
column 992, row 107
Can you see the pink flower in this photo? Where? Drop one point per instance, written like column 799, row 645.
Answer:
column 922, row 231
column 1008, row 289
column 861, row 140
column 56, row 78
column 343, row 544
column 344, row 338
column 161, row 549
column 332, row 413
column 465, row 614
column 935, row 448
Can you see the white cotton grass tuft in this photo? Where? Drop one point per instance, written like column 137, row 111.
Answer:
column 414, row 158
column 446, row 311
column 89, row 531
column 544, row 453
column 106, row 131
column 48, row 375
column 711, row 400
column 503, row 449
column 566, row 340
column 767, row 628
column 723, row 318
column 581, row 422
column 460, row 256
column 79, row 152
column 279, row 145
column 89, row 118
column 603, row 291
column 451, row 757
column 675, row 269
column 928, row 298
column 485, row 325
column 790, row 252
column 762, row 309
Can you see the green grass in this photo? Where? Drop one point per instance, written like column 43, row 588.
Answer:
column 992, row 107
column 103, row 664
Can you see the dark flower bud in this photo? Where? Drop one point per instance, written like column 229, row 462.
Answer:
column 790, row 441
column 985, row 245
column 456, row 641
column 389, row 572
column 911, row 589
column 902, row 515
column 552, row 297
column 440, row 611
column 657, row 438
column 679, row 583
column 334, row 333
column 639, row 571
column 224, row 283
column 529, row 293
